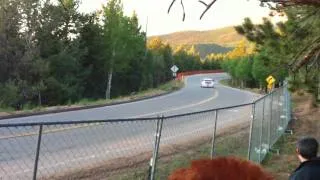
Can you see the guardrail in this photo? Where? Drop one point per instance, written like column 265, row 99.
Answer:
column 122, row 148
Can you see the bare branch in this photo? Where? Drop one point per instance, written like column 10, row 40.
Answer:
column 184, row 14
column 304, row 56
column 173, row 1
column 208, row 7
column 279, row 4
column 203, row 3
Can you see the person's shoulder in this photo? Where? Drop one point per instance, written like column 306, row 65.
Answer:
column 307, row 170
column 293, row 176
column 314, row 162
column 297, row 174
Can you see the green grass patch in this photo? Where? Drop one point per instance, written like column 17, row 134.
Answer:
column 6, row 109
column 236, row 146
column 283, row 164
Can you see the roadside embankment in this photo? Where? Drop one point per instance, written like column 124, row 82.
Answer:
column 306, row 122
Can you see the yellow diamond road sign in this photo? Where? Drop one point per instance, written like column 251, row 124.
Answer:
column 270, row 79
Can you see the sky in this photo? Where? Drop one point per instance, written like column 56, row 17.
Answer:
column 223, row 13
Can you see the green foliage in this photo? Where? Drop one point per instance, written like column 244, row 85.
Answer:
column 206, row 49
column 278, row 47
column 9, row 94
column 51, row 54
column 259, row 70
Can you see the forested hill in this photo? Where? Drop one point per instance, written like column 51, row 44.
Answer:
column 227, row 37
column 205, row 49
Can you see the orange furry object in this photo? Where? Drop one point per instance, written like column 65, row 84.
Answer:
column 221, row 168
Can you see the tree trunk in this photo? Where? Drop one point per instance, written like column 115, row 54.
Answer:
column 39, row 98
column 108, row 91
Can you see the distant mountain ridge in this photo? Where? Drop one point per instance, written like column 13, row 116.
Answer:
column 206, row 42
column 227, row 37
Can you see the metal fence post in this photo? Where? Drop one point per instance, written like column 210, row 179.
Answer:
column 269, row 124
column 279, row 112
column 214, row 134
column 261, row 129
column 285, row 107
column 284, row 104
column 251, row 128
column 288, row 103
column 154, row 158
column 35, row 170
column 289, row 106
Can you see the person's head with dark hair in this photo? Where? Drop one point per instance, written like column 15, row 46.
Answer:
column 307, row 148
column 309, row 168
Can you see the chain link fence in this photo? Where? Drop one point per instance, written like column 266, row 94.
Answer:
column 76, row 150
column 271, row 115
column 144, row 148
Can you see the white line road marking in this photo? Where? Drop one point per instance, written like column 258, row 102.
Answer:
column 87, row 125
column 49, row 131
column 216, row 93
column 233, row 110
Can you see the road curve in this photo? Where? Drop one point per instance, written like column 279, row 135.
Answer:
column 191, row 98
column 68, row 147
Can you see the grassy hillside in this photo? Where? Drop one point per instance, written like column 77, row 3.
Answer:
column 227, row 37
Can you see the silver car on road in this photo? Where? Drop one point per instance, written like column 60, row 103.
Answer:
column 207, row 83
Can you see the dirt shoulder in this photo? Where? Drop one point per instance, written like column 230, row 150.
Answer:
column 306, row 123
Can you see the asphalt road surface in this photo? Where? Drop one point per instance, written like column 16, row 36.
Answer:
column 189, row 99
column 72, row 147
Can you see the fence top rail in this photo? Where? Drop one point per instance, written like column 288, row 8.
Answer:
column 266, row 95
column 77, row 122
column 113, row 120
column 262, row 97
column 209, row 110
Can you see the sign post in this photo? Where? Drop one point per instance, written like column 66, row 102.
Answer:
column 174, row 70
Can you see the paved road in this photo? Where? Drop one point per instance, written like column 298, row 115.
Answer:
column 190, row 99
column 67, row 147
